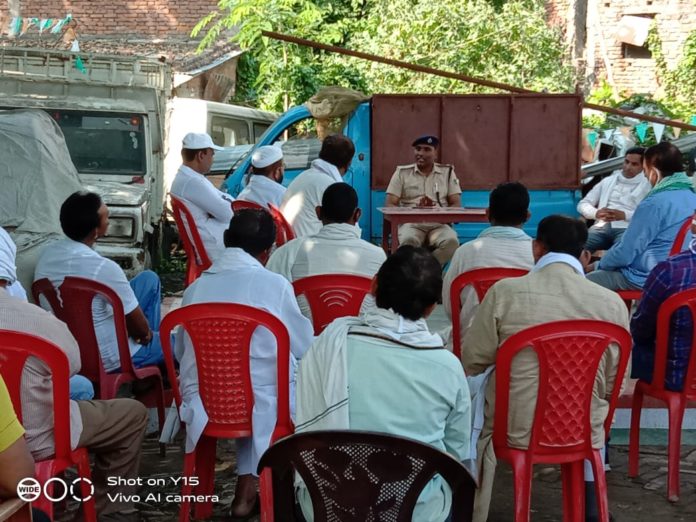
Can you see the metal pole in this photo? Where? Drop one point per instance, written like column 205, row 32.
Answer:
column 462, row 77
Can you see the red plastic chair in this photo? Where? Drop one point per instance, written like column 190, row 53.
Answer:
column 481, row 279
column 15, row 348
column 337, row 468
column 569, row 353
column 681, row 236
column 284, row 231
column 197, row 259
column 332, row 295
column 629, row 297
column 221, row 335
column 77, row 294
column 239, row 204
column 44, row 288
column 676, row 401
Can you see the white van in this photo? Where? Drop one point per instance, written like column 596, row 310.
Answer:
column 228, row 125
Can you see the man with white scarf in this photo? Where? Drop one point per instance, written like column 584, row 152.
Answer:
column 555, row 290
column 238, row 276
column 384, row 371
column 304, row 193
column 335, row 249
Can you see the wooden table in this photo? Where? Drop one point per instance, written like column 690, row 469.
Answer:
column 399, row 215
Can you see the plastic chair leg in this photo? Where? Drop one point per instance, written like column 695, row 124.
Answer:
column 186, row 489
column 675, row 405
column 205, row 470
column 600, row 486
column 89, row 507
column 266, row 495
column 522, row 479
column 634, row 434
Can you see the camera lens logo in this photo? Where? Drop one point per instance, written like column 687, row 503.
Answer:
column 29, row 489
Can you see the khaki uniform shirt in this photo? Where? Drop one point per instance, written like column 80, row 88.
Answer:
column 408, row 184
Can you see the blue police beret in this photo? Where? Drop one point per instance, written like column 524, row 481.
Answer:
column 426, row 140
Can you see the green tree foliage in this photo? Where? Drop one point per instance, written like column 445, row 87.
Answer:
column 508, row 42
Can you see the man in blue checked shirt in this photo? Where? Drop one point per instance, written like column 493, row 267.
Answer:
column 673, row 275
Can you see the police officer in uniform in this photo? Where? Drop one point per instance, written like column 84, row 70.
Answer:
column 426, row 184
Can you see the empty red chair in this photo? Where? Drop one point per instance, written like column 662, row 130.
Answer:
column 239, row 204
column 197, row 259
column 221, row 335
column 332, row 295
column 15, row 348
column 77, row 294
column 569, row 353
column 681, row 236
column 284, row 231
column 676, row 401
column 481, row 279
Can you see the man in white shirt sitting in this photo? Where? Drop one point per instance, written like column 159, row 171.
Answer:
column 504, row 244
column 305, row 191
column 211, row 208
column 238, row 276
column 265, row 183
column 613, row 200
column 335, row 249
column 84, row 218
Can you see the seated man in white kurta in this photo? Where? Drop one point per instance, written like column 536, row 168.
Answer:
column 210, row 208
column 265, row 182
column 335, row 249
column 238, row 276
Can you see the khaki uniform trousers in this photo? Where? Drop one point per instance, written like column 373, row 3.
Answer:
column 113, row 432
column 438, row 236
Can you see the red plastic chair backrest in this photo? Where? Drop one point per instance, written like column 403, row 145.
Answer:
column 77, row 294
column 197, row 259
column 15, row 347
column 284, row 231
column 362, row 475
column 569, row 353
column 684, row 299
column 44, row 288
column 481, row 279
column 239, row 204
column 681, row 236
column 332, row 295
column 220, row 334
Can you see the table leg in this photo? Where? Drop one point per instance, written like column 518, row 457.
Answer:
column 385, row 238
column 394, row 235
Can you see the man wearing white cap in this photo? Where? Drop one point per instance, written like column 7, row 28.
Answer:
column 264, row 184
column 210, row 207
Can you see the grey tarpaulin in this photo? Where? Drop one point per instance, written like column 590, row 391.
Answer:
column 36, row 176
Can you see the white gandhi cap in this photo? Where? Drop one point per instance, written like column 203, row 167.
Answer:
column 266, row 155
column 199, row 140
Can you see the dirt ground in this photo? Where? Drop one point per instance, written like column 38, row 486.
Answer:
column 641, row 499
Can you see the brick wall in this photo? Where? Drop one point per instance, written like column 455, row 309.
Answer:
column 123, row 17
column 675, row 20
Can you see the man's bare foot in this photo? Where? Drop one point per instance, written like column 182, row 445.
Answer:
column 245, row 496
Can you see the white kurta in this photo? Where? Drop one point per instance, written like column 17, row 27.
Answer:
column 335, row 249
column 263, row 190
column 617, row 192
column 505, row 247
column 210, row 207
column 236, row 277
column 304, row 196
